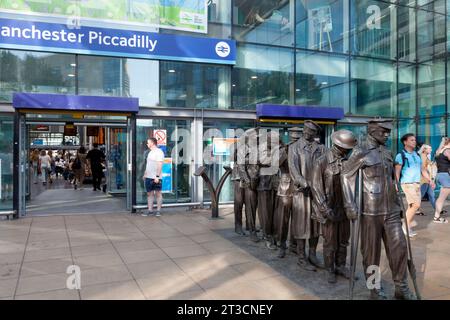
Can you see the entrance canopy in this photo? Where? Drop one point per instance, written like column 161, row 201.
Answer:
column 74, row 102
column 282, row 112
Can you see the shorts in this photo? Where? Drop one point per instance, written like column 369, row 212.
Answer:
column 150, row 185
column 412, row 193
column 444, row 179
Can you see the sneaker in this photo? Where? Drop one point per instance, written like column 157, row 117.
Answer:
column 440, row 220
column 148, row 213
column 412, row 233
column 413, row 224
column 158, row 214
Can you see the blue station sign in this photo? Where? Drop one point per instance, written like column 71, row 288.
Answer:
column 54, row 37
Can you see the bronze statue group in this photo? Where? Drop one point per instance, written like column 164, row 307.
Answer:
column 303, row 190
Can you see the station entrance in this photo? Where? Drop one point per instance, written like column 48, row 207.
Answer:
column 62, row 135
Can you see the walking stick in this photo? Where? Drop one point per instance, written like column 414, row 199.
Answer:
column 411, row 266
column 355, row 237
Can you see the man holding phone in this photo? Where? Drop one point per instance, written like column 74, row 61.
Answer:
column 152, row 177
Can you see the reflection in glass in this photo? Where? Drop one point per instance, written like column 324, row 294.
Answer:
column 213, row 161
column 37, row 72
column 431, row 88
column 178, row 149
column 373, row 87
column 431, row 131
column 262, row 75
column 406, row 90
column 6, row 162
column 119, row 77
column 322, row 80
column 322, row 25
column 372, row 29
column 188, row 85
column 264, row 21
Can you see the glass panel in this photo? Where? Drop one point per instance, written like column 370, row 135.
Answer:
column 213, row 161
column 404, row 126
column 322, row 80
column 322, row 25
column 431, row 92
column 359, row 130
column 119, row 77
column 406, row 90
column 262, row 75
column 373, row 28
column 6, row 162
column 117, row 159
column 22, row 71
column 188, row 85
column 373, row 87
column 406, row 23
column 431, row 131
column 268, row 21
column 431, row 35
column 178, row 149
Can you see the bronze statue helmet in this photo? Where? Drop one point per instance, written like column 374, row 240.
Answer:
column 344, row 139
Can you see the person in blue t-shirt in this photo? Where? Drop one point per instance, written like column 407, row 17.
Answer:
column 408, row 170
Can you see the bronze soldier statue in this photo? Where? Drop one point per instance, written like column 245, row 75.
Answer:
column 268, row 162
column 239, row 197
column 381, row 212
column 283, row 211
column 302, row 158
column 327, row 196
column 248, row 173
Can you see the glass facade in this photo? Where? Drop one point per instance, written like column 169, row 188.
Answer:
column 6, row 162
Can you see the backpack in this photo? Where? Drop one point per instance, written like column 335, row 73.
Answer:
column 77, row 163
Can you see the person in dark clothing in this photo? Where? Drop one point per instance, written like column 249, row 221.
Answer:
column 96, row 158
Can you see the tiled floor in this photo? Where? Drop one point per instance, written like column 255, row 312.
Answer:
column 181, row 255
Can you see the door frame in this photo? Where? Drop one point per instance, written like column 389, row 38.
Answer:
column 21, row 161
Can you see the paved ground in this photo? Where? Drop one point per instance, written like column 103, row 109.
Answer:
column 60, row 197
column 181, row 255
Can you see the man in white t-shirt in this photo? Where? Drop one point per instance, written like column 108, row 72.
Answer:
column 152, row 177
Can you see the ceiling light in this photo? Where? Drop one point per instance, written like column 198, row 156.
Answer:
column 71, row 75
column 172, row 71
column 254, row 77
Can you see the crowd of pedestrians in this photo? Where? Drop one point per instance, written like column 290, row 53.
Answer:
column 419, row 176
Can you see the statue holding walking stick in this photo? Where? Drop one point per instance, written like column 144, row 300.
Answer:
column 380, row 211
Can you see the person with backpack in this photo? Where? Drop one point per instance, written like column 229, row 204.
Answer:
column 79, row 167
column 409, row 171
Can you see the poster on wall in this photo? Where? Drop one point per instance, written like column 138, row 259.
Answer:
column 186, row 15
column 222, row 146
column 167, row 175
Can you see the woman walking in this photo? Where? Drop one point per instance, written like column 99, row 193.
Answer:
column 79, row 167
column 34, row 159
column 44, row 164
column 443, row 177
column 427, row 182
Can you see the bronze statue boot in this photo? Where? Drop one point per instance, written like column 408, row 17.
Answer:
column 328, row 257
column 376, row 294
column 270, row 243
column 344, row 272
column 238, row 229
column 402, row 292
column 312, row 257
column 254, row 236
column 302, row 261
column 282, row 251
column 314, row 260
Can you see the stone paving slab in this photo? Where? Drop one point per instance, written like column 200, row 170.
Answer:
column 181, row 255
